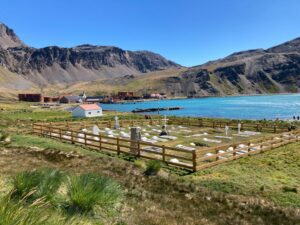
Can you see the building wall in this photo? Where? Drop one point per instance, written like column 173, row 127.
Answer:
column 79, row 112
column 31, row 97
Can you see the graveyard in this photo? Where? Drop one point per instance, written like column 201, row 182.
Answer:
column 191, row 146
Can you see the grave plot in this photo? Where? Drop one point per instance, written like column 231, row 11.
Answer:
column 186, row 146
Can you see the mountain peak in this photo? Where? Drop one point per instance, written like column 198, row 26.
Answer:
column 289, row 46
column 8, row 38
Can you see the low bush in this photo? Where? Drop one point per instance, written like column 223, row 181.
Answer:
column 289, row 189
column 88, row 191
column 152, row 167
column 200, row 144
column 140, row 163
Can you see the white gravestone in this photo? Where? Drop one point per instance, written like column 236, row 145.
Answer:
column 239, row 128
column 164, row 127
column 117, row 124
column 96, row 130
column 226, row 130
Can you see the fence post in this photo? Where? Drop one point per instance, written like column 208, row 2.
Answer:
column 60, row 134
column 139, row 148
column 275, row 129
column 118, row 146
column 100, row 142
column 84, row 138
column 234, row 153
column 163, row 152
column 50, row 130
column 249, row 146
column 194, row 161
column 72, row 137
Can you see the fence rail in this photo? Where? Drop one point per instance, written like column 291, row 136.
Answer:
column 268, row 127
column 119, row 145
column 194, row 160
column 256, row 126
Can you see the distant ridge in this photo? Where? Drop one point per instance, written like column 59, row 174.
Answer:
column 54, row 64
column 258, row 71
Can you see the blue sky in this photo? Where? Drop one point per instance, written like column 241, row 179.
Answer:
column 189, row 32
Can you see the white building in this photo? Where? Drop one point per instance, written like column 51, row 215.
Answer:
column 87, row 110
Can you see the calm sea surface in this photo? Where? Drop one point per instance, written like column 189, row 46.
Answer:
column 245, row 107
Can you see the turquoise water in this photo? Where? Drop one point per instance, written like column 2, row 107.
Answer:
column 241, row 107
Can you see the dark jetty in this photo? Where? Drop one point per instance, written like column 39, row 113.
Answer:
column 155, row 109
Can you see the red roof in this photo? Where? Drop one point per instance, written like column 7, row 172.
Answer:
column 90, row 107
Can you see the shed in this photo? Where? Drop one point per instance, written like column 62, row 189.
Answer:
column 70, row 99
column 87, row 110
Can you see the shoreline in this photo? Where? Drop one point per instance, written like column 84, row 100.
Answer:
column 200, row 97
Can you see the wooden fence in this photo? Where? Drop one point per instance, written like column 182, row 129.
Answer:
column 269, row 127
column 208, row 157
column 169, row 155
column 104, row 123
column 193, row 160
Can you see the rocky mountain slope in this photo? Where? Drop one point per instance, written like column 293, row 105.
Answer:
column 54, row 64
column 274, row 70
column 259, row 71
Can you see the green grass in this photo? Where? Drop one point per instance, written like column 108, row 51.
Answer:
column 43, row 183
column 274, row 175
column 22, row 140
column 59, row 198
column 88, row 191
column 20, row 213
column 32, row 115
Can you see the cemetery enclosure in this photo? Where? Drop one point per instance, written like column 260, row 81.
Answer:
column 190, row 159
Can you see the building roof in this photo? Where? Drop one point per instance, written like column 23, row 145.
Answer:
column 72, row 97
column 90, row 107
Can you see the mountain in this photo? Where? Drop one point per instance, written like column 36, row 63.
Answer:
column 56, row 65
column 88, row 67
column 8, row 38
column 259, row 71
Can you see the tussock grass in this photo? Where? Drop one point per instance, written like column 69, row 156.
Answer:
column 17, row 213
column 44, row 184
column 89, row 191
column 152, row 167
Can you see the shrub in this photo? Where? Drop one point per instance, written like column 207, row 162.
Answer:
column 4, row 137
column 88, row 191
column 139, row 163
column 289, row 189
column 44, row 184
column 200, row 144
column 152, row 167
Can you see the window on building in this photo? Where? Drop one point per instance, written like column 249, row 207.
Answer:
column 98, row 111
column 89, row 113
